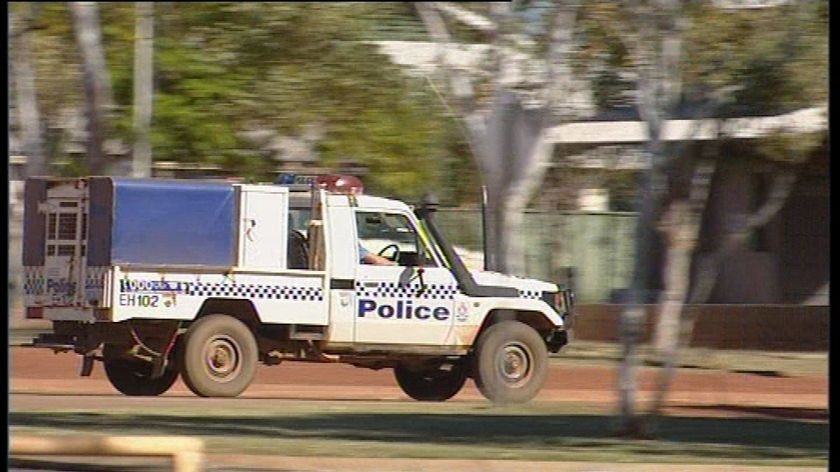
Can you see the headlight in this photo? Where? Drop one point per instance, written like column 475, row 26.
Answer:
column 565, row 301
column 560, row 301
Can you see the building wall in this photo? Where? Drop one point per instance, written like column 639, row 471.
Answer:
column 750, row 273
column 741, row 326
column 804, row 252
column 787, row 260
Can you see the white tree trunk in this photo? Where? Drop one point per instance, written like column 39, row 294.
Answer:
column 514, row 164
column 507, row 139
column 782, row 187
column 96, row 78
column 656, row 48
column 143, row 88
column 23, row 77
column 682, row 227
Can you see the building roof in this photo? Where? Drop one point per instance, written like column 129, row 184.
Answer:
column 615, row 126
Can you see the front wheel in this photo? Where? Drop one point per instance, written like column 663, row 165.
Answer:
column 133, row 377
column 219, row 357
column 431, row 384
column 510, row 363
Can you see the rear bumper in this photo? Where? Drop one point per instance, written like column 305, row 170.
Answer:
column 82, row 337
column 58, row 343
column 68, row 313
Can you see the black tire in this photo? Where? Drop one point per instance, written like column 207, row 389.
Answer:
column 133, row 377
column 431, row 384
column 510, row 363
column 218, row 357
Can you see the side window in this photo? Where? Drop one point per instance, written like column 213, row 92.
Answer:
column 299, row 219
column 297, row 244
column 392, row 236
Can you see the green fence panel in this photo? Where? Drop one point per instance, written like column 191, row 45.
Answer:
column 599, row 246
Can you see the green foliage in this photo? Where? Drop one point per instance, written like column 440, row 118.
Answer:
column 790, row 148
column 222, row 69
column 777, row 57
column 225, row 68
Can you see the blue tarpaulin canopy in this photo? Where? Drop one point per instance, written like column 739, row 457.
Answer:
column 173, row 222
column 144, row 221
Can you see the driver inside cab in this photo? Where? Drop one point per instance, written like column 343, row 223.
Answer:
column 354, row 186
column 367, row 257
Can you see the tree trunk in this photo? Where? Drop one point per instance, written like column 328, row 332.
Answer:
column 657, row 52
column 633, row 316
column 23, row 76
column 682, row 226
column 97, row 82
column 507, row 139
column 143, row 88
column 708, row 267
column 513, row 160
column 685, row 235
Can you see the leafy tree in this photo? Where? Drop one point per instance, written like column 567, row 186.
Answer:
column 505, row 119
column 224, row 69
column 725, row 63
column 23, row 78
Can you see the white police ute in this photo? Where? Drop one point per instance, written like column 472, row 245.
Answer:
column 205, row 279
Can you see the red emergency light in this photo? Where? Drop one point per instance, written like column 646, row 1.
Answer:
column 338, row 183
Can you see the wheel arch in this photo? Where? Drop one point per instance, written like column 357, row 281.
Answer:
column 533, row 318
column 241, row 309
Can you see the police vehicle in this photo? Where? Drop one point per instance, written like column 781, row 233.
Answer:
column 205, row 280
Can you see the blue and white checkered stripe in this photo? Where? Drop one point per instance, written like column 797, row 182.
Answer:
column 95, row 277
column 409, row 290
column 534, row 294
column 274, row 292
column 34, row 282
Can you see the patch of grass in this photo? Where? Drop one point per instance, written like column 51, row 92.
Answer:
column 787, row 364
column 549, row 432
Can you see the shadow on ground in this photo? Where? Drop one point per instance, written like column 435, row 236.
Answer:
column 712, row 438
column 812, row 414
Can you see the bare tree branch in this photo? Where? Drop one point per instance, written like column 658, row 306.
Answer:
column 23, row 78
column 459, row 83
column 467, row 17
column 701, row 182
column 500, row 13
column 560, row 48
column 143, row 88
column 708, row 267
column 682, row 230
column 468, row 136
column 97, row 81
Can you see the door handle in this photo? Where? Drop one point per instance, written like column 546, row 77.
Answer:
column 420, row 272
column 249, row 232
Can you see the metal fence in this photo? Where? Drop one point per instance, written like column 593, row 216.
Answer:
column 598, row 245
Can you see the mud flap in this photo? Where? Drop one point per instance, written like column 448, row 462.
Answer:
column 87, row 365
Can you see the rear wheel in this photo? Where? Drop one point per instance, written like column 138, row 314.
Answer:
column 431, row 384
column 510, row 363
column 219, row 357
column 134, row 376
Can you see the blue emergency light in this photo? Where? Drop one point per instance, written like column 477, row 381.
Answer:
column 295, row 179
column 332, row 182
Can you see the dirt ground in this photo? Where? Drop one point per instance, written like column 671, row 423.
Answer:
column 695, row 391
column 40, row 379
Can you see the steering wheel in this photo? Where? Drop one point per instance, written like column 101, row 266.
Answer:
column 396, row 255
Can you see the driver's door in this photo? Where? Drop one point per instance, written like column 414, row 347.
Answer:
column 395, row 304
